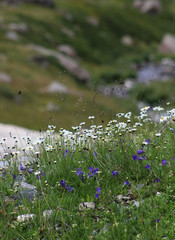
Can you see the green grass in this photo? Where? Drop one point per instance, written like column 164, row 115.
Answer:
column 85, row 160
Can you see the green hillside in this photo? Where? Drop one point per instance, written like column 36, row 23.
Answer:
column 94, row 30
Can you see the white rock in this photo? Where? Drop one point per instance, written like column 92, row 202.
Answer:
column 12, row 36
column 25, row 217
column 47, row 213
column 70, row 64
column 168, row 44
column 127, row 40
column 151, row 6
column 148, row 6
column 86, row 205
column 68, row 50
column 56, row 87
column 18, row 27
column 4, row 77
column 94, row 21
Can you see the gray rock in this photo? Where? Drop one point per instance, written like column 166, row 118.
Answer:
column 151, row 6
column 25, row 217
column 127, row 40
column 4, row 77
column 8, row 200
column 122, row 198
column 70, row 64
column 139, row 186
column 18, row 27
column 47, row 213
column 167, row 44
column 11, row 35
column 56, row 87
column 136, row 203
column 114, row 90
column 94, row 21
column 51, row 107
column 86, row 205
column 68, row 50
column 68, row 32
column 4, row 164
column 26, row 190
column 161, row 71
column 20, row 178
column 148, row 6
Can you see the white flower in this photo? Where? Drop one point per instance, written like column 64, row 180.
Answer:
column 91, row 117
column 37, row 173
column 158, row 134
column 158, row 109
column 143, row 109
column 142, row 115
column 49, row 131
column 163, row 119
column 82, row 123
column 29, row 148
column 113, row 121
column 128, row 115
column 49, row 148
column 120, row 114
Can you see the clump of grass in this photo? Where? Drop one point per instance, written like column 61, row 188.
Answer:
column 124, row 171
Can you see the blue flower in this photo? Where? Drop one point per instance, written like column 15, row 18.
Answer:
column 63, row 183
column 157, row 179
column 147, row 166
column 164, row 162
column 134, row 157
column 80, row 173
column 147, row 140
column 95, row 153
column 93, row 172
column 21, row 167
column 140, row 151
column 30, row 170
column 65, row 153
column 126, row 183
column 98, row 193
column 70, row 189
column 157, row 220
column 171, row 129
column 114, row 173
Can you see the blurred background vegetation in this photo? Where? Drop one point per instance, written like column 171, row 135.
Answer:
column 64, row 60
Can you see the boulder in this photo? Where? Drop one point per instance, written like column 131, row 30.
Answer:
column 148, row 6
column 168, row 44
column 11, row 35
column 94, row 21
column 26, row 190
column 25, row 217
column 68, row 32
column 47, row 213
column 127, row 40
column 69, row 63
column 67, row 50
column 4, row 77
column 86, row 205
column 56, row 87
column 18, row 27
